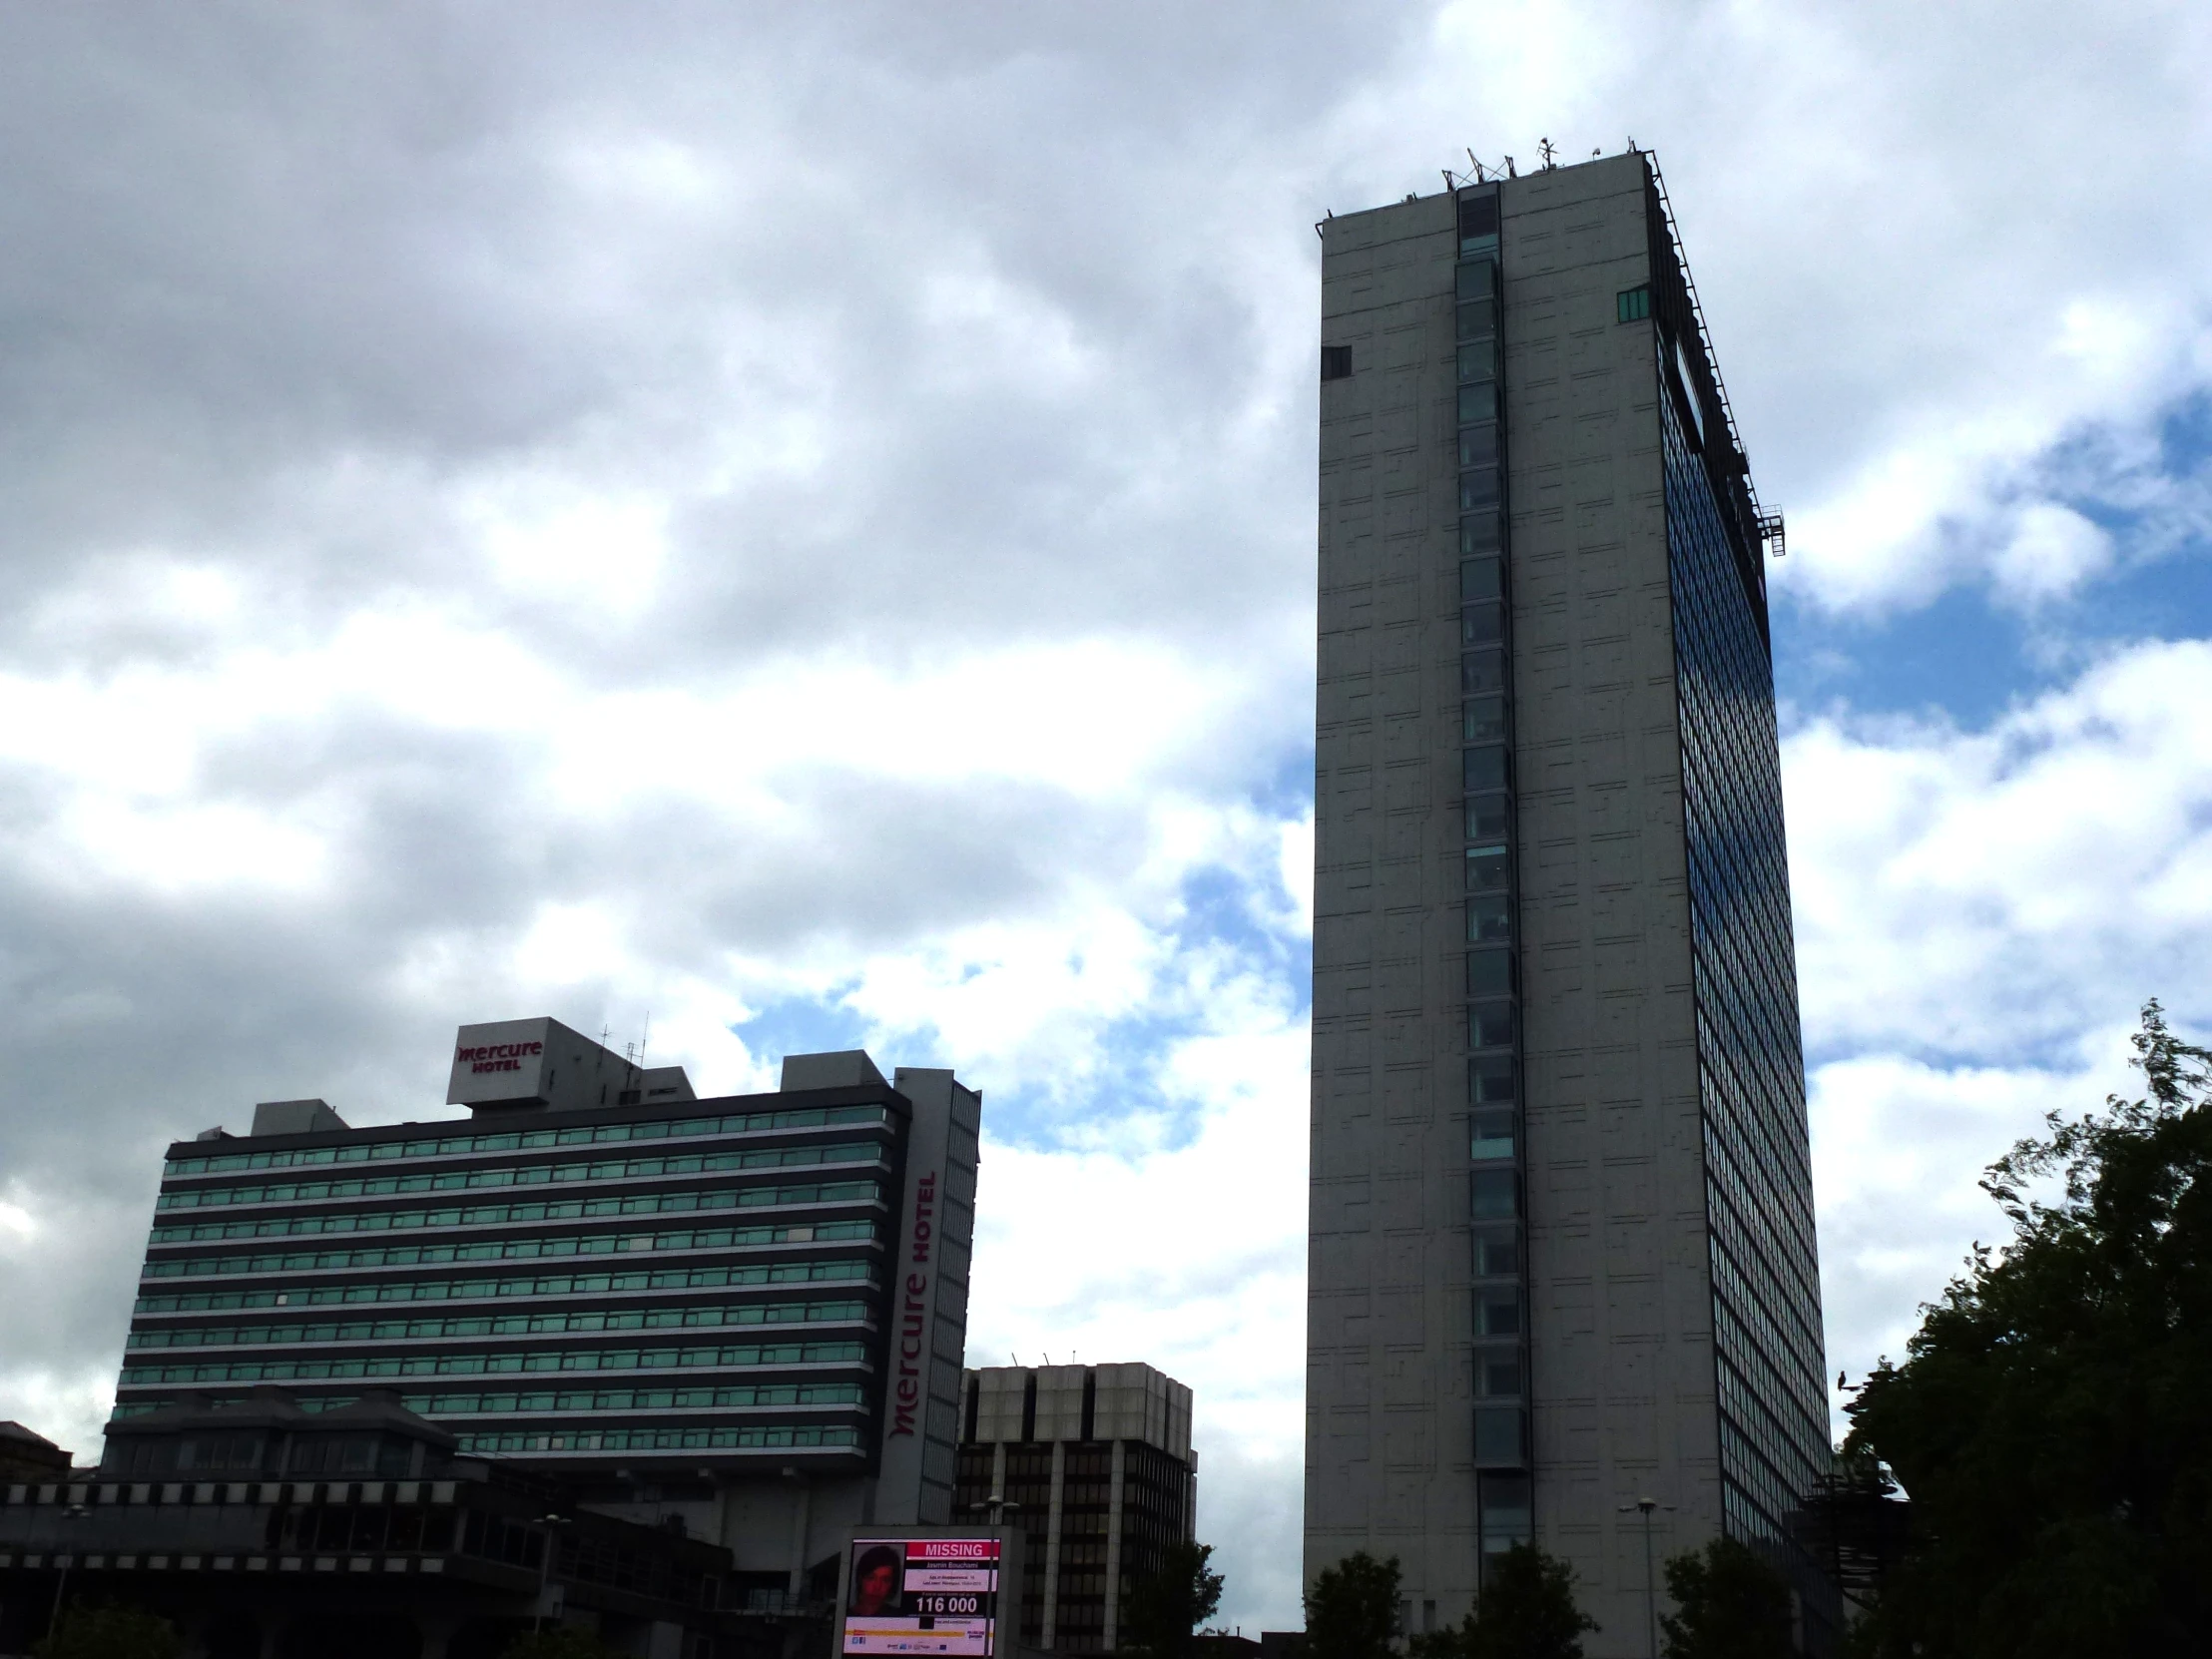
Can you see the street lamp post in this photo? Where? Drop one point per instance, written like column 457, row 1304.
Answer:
column 545, row 1567
column 76, row 1511
column 1651, row 1595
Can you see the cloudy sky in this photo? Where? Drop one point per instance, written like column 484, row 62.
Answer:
column 797, row 520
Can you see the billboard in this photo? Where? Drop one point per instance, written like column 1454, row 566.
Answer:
column 923, row 1595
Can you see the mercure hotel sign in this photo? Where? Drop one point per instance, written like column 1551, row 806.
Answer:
column 496, row 1056
column 913, row 1312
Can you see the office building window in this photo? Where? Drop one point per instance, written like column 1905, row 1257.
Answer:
column 1479, row 489
column 1478, row 214
column 1496, row 1194
column 1498, row 1256
column 1490, row 868
column 1504, row 1503
column 1634, row 304
column 1482, row 671
column 1489, row 918
column 1490, row 1025
column 1335, row 362
column 1490, row 1079
column 1482, row 718
column 1497, row 1435
column 1485, row 768
column 1482, row 624
column 1488, row 816
column 1479, row 446
column 1497, row 1312
column 1489, row 974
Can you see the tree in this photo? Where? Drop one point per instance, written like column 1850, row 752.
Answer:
column 1161, row 1609
column 111, row 1633
column 2049, row 1419
column 1526, row 1611
column 560, row 1641
column 1351, row 1611
column 1729, row 1604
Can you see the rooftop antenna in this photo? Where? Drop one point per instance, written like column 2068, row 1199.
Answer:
column 642, row 1041
column 1511, row 171
column 1480, row 177
column 1544, row 148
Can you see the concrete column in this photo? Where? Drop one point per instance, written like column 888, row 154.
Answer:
column 998, row 1484
column 803, row 1514
column 1113, row 1543
column 274, row 1626
column 1046, row 1635
column 437, row 1631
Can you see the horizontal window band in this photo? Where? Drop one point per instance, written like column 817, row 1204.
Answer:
column 504, row 1325
column 510, row 1250
column 525, row 1175
column 772, row 1277
column 448, row 1146
column 587, row 1440
column 509, row 1215
column 585, row 1360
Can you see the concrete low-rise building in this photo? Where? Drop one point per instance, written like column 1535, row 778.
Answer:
column 263, row 1530
column 1094, row 1465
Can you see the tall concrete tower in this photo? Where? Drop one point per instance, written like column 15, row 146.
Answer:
column 1562, row 1251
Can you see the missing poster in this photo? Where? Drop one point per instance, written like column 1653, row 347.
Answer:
column 923, row 1595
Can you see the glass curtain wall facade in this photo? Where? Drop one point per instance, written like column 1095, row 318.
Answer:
column 1769, row 1357
column 1561, row 1248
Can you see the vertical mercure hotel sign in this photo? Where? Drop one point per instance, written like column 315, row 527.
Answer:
column 912, row 1384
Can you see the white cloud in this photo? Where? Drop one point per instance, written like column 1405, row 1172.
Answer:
column 2049, row 552
column 1189, row 1253
column 1985, row 893
column 1979, row 916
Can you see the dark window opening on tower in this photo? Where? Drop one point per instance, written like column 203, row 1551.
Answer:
column 1478, row 214
column 1634, row 304
column 1335, row 362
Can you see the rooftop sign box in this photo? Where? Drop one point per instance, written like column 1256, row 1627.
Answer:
column 524, row 1063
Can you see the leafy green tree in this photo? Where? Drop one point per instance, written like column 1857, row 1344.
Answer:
column 1351, row 1611
column 560, row 1641
column 1729, row 1604
column 1526, row 1611
column 1161, row 1609
column 111, row 1633
column 2049, row 1421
